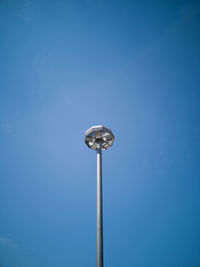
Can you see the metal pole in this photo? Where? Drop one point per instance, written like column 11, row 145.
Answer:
column 99, row 138
column 99, row 240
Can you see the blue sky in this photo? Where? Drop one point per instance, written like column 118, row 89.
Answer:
column 133, row 66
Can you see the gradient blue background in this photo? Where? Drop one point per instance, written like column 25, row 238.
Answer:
column 133, row 66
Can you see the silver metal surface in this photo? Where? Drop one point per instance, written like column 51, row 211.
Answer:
column 99, row 237
column 98, row 136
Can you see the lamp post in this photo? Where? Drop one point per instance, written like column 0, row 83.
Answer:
column 99, row 138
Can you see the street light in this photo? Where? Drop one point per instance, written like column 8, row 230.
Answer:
column 99, row 138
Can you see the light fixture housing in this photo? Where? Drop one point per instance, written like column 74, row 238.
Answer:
column 99, row 137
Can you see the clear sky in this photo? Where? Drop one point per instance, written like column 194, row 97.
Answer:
column 133, row 66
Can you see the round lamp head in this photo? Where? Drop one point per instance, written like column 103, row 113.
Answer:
column 99, row 137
